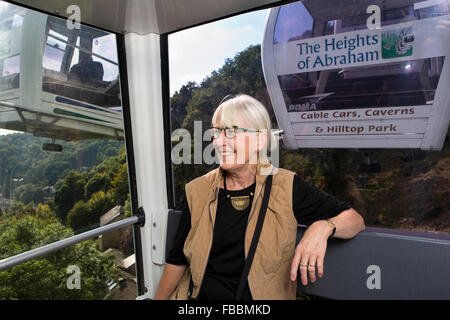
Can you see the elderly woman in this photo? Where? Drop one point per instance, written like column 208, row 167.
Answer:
column 221, row 213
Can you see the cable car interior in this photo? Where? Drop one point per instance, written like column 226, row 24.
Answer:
column 101, row 92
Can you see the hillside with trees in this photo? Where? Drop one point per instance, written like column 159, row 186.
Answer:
column 23, row 228
column 22, row 158
column 86, row 180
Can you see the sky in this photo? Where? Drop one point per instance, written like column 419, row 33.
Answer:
column 194, row 53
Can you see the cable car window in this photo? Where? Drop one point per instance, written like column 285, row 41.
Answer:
column 54, row 51
column 288, row 27
column 437, row 10
column 392, row 84
column 110, row 65
column 57, row 40
column 81, row 64
column 295, row 22
column 392, row 187
column 11, row 19
column 11, row 65
column 63, row 164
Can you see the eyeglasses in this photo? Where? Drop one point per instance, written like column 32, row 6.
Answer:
column 230, row 133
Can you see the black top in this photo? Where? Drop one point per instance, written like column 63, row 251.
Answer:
column 227, row 256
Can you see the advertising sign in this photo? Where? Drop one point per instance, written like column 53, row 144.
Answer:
column 335, row 83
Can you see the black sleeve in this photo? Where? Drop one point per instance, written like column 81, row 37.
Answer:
column 176, row 254
column 311, row 204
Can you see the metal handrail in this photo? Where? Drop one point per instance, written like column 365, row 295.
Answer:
column 58, row 245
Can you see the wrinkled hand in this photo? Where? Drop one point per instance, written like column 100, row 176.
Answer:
column 310, row 252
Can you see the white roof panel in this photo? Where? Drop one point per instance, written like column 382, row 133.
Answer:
column 147, row 16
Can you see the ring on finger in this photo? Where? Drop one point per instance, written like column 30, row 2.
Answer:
column 303, row 265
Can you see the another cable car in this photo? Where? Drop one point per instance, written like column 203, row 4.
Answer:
column 53, row 81
column 359, row 76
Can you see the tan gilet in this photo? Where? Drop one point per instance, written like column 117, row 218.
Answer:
column 269, row 277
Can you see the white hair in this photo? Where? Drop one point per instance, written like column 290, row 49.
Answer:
column 243, row 107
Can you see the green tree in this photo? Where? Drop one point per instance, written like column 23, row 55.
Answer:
column 29, row 193
column 46, row 277
column 70, row 192
column 84, row 214
column 79, row 216
column 179, row 101
column 99, row 204
column 120, row 190
column 100, row 181
column 21, row 155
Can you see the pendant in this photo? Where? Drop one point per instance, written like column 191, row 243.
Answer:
column 240, row 203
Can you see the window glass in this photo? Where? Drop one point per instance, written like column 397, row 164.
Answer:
column 400, row 188
column 404, row 83
column 63, row 164
column 84, row 271
column 81, row 65
column 12, row 17
column 11, row 66
column 293, row 23
column 54, row 51
column 102, row 47
column 11, row 20
column 441, row 8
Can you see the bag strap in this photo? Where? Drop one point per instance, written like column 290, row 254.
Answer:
column 255, row 239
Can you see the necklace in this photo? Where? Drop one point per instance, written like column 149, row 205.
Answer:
column 240, row 203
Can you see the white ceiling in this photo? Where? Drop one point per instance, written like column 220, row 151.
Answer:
column 146, row 16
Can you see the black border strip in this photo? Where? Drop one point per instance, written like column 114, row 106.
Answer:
column 165, row 87
column 121, row 53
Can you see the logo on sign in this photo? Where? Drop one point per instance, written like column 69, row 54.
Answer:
column 396, row 44
column 307, row 103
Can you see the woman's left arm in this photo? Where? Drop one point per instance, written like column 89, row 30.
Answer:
column 310, row 252
column 348, row 224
